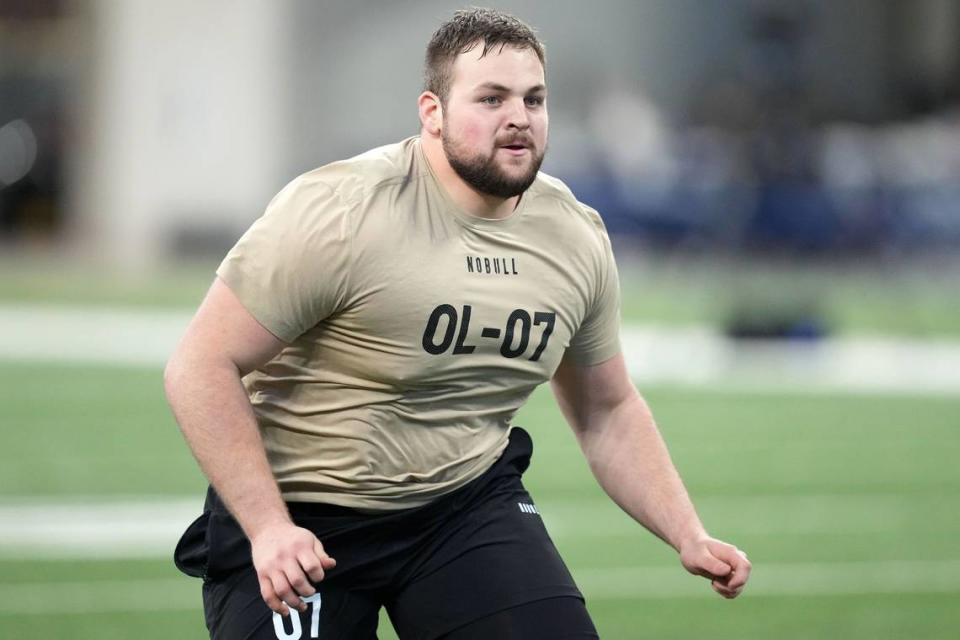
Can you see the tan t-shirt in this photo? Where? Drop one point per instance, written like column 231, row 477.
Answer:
column 415, row 330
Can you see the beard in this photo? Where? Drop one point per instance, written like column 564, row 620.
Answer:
column 483, row 173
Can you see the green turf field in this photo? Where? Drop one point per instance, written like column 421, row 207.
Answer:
column 848, row 506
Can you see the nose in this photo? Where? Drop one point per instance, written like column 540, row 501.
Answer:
column 518, row 118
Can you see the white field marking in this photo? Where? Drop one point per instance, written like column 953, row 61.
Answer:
column 133, row 528
column 703, row 356
column 93, row 335
column 653, row 582
column 655, row 355
column 149, row 527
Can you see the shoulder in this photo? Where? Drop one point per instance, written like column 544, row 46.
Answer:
column 353, row 179
column 553, row 197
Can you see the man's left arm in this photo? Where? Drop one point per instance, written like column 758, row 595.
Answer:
column 627, row 455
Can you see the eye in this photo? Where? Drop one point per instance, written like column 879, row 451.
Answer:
column 534, row 101
column 492, row 100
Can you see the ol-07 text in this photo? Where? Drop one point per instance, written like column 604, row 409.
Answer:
column 516, row 333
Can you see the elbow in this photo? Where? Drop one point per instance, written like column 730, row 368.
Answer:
column 609, row 419
column 181, row 368
column 190, row 369
column 173, row 373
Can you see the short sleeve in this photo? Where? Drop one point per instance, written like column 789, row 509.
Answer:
column 598, row 337
column 290, row 270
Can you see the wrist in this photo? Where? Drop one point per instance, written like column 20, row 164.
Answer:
column 691, row 537
column 265, row 521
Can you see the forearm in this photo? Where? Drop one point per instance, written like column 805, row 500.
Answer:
column 630, row 461
column 215, row 416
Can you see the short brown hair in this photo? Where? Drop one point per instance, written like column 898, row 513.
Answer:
column 465, row 31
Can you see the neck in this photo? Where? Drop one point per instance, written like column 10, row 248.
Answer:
column 475, row 203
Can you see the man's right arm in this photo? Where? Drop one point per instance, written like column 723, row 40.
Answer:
column 203, row 384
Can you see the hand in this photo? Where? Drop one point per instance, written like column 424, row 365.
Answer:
column 723, row 564
column 287, row 559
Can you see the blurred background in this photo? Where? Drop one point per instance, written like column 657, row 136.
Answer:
column 781, row 180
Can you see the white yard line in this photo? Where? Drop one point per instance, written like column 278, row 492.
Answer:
column 145, row 528
column 653, row 582
column 94, row 335
column 702, row 356
column 655, row 355
column 149, row 527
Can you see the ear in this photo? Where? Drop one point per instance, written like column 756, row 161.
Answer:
column 431, row 113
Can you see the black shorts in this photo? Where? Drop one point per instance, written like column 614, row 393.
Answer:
column 465, row 556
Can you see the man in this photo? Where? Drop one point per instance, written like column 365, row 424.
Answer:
column 348, row 383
